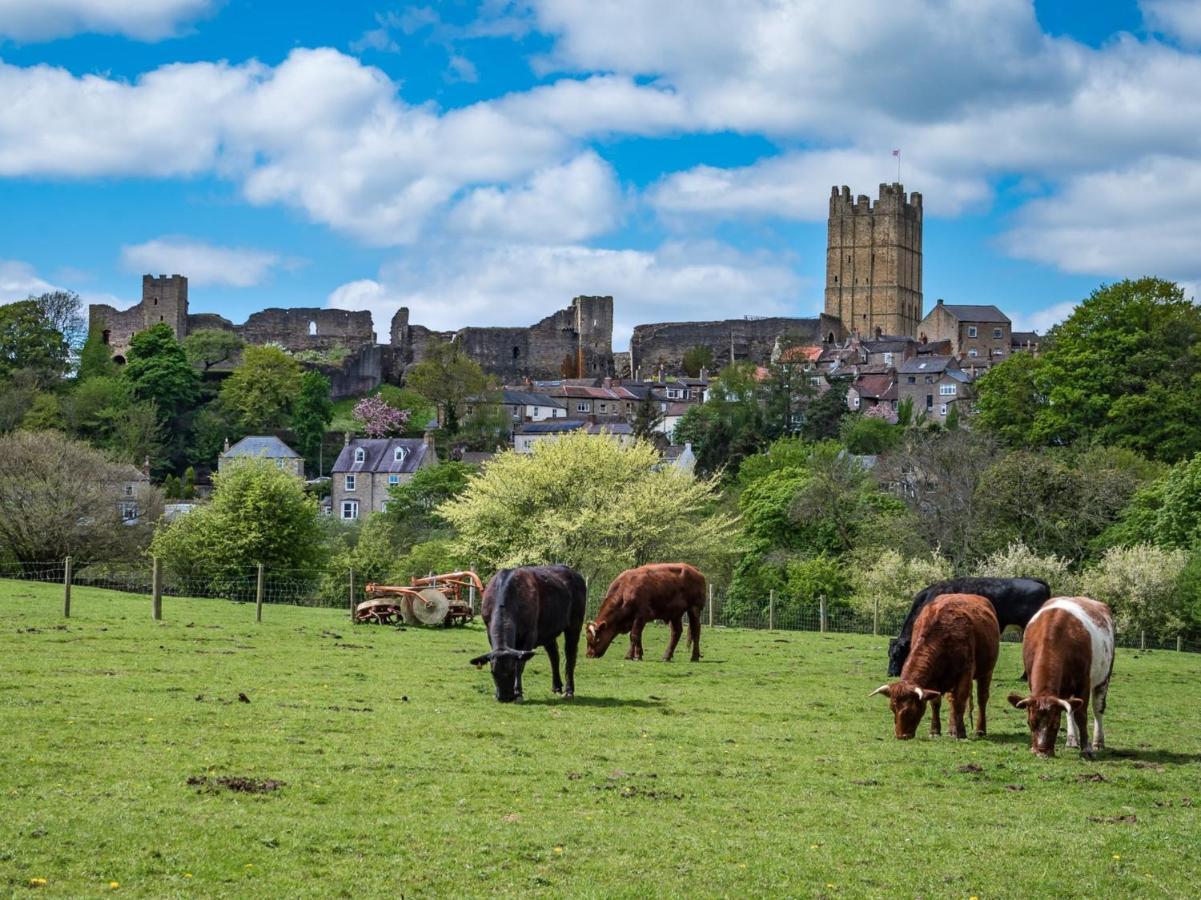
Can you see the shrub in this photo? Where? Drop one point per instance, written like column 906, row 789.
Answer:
column 1140, row 584
column 890, row 580
column 1019, row 561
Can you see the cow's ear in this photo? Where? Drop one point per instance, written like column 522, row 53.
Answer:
column 1018, row 702
column 481, row 661
column 1076, row 703
column 524, row 655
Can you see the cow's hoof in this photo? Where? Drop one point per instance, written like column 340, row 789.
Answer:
column 568, row 695
column 557, row 690
column 1087, row 754
column 981, row 733
column 1072, row 743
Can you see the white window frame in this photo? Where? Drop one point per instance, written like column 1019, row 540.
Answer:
column 393, row 479
column 888, row 358
column 942, row 409
column 350, row 510
column 973, row 352
column 971, row 331
column 350, row 482
column 997, row 332
column 399, row 454
column 947, row 390
column 360, row 455
column 582, row 406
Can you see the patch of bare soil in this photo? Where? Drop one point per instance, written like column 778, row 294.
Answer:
column 239, row 784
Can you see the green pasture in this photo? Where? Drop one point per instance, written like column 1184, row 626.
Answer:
column 763, row 770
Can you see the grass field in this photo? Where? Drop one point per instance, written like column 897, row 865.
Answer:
column 762, row 770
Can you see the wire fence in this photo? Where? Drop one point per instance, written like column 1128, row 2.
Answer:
column 344, row 588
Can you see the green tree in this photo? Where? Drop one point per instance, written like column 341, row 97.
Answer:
column 1141, row 586
column 823, row 417
column 262, row 389
column 1008, row 399
column 258, row 514
column 1165, row 512
column 1124, row 369
column 648, row 416
column 490, row 424
column 730, row 426
column 29, row 341
column 447, row 378
column 208, row 347
column 96, row 359
column 63, row 310
column 158, row 369
column 412, row 506
column 696, row 359
column 60, row 497
column 588, row 502
column 45, row 413
column 311, row 414
column 869, row 435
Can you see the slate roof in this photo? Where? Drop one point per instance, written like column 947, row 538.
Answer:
column 888, row 344
column 1021, row 338
column 969, row 313
column 927, row 365
column 874, row 386
column 267, row 446
column 528, row 398
column 550, row 426
column 380, row 456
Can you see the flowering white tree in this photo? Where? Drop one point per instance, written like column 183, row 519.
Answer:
column 889, row 581
column 1139, row 584
column 1019, row 561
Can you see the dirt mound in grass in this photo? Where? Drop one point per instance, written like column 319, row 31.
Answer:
column 237, row 783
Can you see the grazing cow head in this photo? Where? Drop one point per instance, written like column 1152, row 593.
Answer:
column 908, row 704
column 506, row 664
column 599, row 636
column 898, row 652
column 1044, row 713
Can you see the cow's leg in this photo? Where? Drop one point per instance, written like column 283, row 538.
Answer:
column 694, row 632
column 982, row 685
column 677, row 629
column 1081, row 718
column 1099, row 694
column 959, row 700
column 935, row 717
column 636, row 639
column 571, row 646
column 517, row 680
column 1073, row 731
column 552, row 653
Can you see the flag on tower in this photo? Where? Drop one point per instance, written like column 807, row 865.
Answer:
column 896, row 152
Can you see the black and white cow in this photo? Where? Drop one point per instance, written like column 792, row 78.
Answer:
column 527, row 608
column 1015, row 601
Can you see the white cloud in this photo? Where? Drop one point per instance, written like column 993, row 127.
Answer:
column 203, row 263
column 521, row 284
column 1179, row 18
column 797, row 186
column 1041, row 320
column 18, row 280
column 572, row 202
column 147, row 20
column 1140, row 220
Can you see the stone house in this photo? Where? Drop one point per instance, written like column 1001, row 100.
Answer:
column 934, row 384
column 133, row 491
column 530, row 434
column 975, row 332
column 869, row 391
column 367, row 467
column 527, row 406
column 262, row 447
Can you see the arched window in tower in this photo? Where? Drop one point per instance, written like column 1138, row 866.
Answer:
column 312, row 329
column 105, row 336
column 516, row 352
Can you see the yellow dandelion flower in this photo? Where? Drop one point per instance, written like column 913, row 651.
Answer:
column 558, row 849
column 114, row 884
column 248, row 866
column 187, row 874
column 828, row 884
column 37, row 882
column 1117, row 856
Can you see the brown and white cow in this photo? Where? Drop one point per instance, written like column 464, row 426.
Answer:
column 663, row 591
column 956, row 638
column 1068, row 652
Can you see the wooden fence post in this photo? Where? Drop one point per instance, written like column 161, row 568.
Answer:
column 771, row 610
column 67, row 588
column 710, row 604
column 1179, row 643
column 351, row 595
column 1142, row 640
column 258, row 595
column 821, row 609
column 876, row 617
column 156, row 589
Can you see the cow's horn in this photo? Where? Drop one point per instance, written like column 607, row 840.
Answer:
column 882, row 689
column 1067, row 706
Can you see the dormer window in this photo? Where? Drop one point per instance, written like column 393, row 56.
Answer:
column 398, row 454
column 360, row 455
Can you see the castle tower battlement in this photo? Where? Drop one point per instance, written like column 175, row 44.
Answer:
column 874, row 261
column 165, row 300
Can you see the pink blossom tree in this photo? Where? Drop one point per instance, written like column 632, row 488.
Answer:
column 378, row 418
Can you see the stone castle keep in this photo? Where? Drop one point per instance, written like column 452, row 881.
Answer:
column 873, row 284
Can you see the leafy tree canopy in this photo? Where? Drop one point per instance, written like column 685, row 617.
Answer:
column 262, row 389
column 158, row 370
column 29, row 341
column 698, row 358
column 210, row 347
column 311, row 413
column 447, row 378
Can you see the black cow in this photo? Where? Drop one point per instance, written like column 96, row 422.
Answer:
column 528, row 608
column 1015, row 601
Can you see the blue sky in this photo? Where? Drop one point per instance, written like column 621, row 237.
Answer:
column 482, row 163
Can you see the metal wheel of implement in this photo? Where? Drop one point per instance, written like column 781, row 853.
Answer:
column 430, row 607
column 405, row 603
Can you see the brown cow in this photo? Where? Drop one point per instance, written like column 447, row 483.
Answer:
column 1068, row 651
column 663, row 591
column 956, row 638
